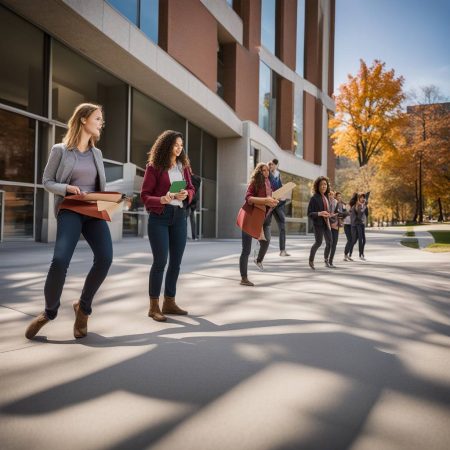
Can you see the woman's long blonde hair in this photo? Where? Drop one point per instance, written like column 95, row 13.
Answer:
column 73, row 135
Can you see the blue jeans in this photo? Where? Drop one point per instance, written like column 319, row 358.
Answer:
column 69, row 227
column 167, row 233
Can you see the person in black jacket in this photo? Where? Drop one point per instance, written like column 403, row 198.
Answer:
column 192, row 207
column 319, row 211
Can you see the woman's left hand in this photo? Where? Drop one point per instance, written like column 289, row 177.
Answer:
column 181, row 195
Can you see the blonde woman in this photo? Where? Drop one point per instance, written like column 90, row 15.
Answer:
column 75, row 166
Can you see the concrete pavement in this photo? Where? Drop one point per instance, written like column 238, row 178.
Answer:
column 352, row 358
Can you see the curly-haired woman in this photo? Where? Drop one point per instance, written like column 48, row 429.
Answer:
column 75, row 166
column 259, row 193
column 319, row 211
column 167, row 228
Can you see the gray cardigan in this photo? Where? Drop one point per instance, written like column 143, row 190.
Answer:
column 59, row 168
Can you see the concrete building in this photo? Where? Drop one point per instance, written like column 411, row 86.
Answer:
column 244, row 81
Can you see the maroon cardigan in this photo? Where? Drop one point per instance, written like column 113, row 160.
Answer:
column 156, row 185
column 251, row 192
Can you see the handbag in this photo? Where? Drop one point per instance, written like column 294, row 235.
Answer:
column 100, row 205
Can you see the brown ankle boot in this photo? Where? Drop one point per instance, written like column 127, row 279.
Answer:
column 34, row 327
column 246, row 282
column 170, row 307
column 154, row 312
column 80, row 325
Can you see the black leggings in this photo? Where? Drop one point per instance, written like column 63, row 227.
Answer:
column 359, row 234
column 319, row 233
column 247, row 248
column 348, row 246
column 335, row 237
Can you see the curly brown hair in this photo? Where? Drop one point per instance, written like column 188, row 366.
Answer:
column 161, row 151
column 257, row 177
column 317, row 184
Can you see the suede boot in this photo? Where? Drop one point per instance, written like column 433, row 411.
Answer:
column 81, row 319
column 34, row 327
column 246, row 282
column 154, row 312
column 170, row 307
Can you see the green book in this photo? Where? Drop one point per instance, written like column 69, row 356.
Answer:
column 177, row 186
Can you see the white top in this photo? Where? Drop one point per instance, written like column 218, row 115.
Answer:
column 176, row 174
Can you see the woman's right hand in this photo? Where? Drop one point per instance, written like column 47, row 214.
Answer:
column 324, row 214
column 73, row 190
column 166, row 199
column 271, row 202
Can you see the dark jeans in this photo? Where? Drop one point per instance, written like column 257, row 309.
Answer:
column 359, row 234
column 247, row 247
column 319, row 234
column 191, row 214
column 348, row 246
column 167, row 233
column 335, row 237
column 280, row 217
column 69, row 227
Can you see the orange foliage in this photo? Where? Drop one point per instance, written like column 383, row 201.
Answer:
column 368, row 113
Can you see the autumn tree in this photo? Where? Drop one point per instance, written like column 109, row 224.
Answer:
column 427, row 133
column 368, row 113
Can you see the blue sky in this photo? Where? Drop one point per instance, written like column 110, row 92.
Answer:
column 410, row 36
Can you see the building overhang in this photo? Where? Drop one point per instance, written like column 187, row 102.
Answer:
column 97, row 31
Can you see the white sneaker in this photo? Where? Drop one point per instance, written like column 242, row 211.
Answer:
column 284, row 253
column 259, row 265
column 362, row 258
column 345, row 258
column 349, row 258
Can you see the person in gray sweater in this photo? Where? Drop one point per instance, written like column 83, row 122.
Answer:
column 74, row 167
column 358, row 215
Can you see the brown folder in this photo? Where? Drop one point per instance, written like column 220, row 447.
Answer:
column 250, row 219
column 94, row 204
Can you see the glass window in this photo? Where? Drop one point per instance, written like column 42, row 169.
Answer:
column 297, row 206
column 76, row 80
column 267, row 99
column 300, row 37
column 22, row 56
column 298, row 123
column 194, row 147
column 17, row 144
column 129, row 8
column 113, row 172
column 149, row 18
column 130, row 225
column 149, row 120
column 209, row 157
column 268, row 11
column 19, row 203
column 220, row 71
column 143, row 13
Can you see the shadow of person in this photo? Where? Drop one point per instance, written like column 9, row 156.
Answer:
column 207, row 361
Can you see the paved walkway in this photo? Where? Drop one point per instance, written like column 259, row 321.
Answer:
column 353, row 358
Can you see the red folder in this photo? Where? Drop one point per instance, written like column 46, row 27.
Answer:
column 250, row 219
